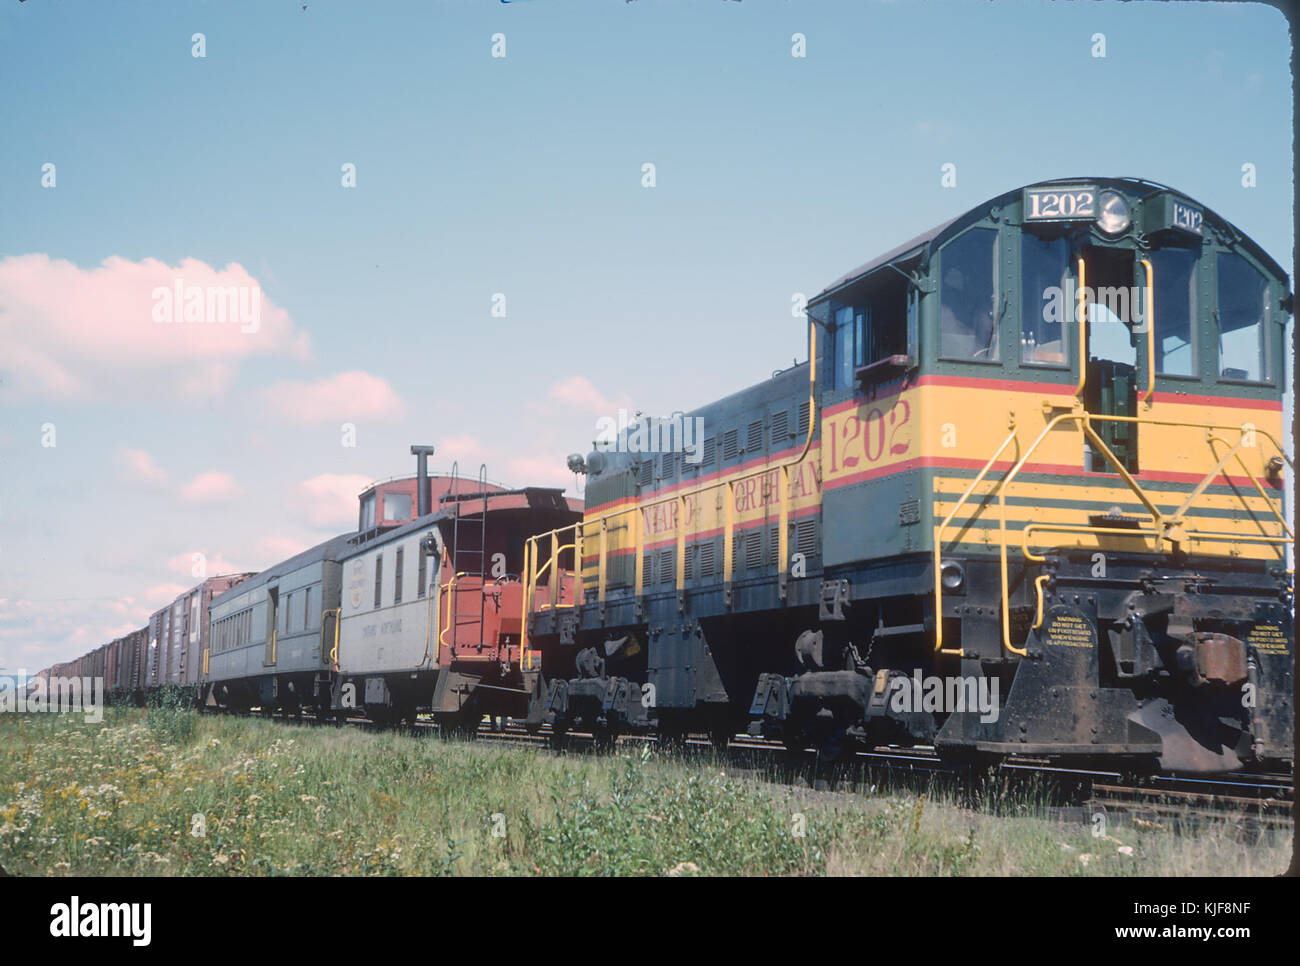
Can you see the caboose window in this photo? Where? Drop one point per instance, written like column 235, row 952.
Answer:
column 1043, row 267
column 1174, row 270
column 968, row 298
column 1243, row 312
column 397, row 506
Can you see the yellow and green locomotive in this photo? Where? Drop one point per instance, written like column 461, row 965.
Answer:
column 1026, row 498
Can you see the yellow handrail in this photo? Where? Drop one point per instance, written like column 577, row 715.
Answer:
column 1081, row 528
column 442, row 631
column 1166, row 528
column 1081, row 319
column 554, row 586
column 640, row 507
column 938, row 544
column 1038, row 593
column 525, row 605
column 1151, row 331
column 1258, row 488
column 334, row 651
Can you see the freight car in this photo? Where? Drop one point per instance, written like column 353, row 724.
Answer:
column 1025, row 498
column 126, row 674
column 178, row 634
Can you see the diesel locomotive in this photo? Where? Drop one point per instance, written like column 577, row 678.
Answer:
column 1026, row 498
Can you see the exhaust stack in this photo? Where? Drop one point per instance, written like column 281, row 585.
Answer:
column 422, row 493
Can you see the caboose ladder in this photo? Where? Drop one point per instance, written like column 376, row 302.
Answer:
column 468, row 563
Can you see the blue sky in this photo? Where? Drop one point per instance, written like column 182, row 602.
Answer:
column 519, row 175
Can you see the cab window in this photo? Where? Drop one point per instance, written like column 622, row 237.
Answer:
column 847, row 323
column 1176, row 311
column 969, row 297
column 1243, row 314
column 1043, row 312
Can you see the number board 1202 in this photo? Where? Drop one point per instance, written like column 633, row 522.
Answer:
column 1061, row 203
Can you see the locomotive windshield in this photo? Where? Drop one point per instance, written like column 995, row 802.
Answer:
column 1243, row 310
column 1044, row 267
column 1174, row 271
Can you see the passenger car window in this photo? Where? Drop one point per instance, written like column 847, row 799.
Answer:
column 968, row 297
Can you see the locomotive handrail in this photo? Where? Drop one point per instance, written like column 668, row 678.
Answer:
column 1081, row 317
column 1259, row 489
column 938, row 543
column 638, row 509
column 1151, row 330
column 554, row 586
column 1167, row 528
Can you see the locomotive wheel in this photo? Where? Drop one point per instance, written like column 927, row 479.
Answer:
column 720, row 737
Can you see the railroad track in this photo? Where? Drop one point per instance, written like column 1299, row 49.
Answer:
column 1253, row 802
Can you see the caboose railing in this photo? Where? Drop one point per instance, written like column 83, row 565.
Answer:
column 533, row 573
column 1164, row 528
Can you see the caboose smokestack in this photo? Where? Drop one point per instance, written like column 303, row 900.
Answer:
column 422, row 494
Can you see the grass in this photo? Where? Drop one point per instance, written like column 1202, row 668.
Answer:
column 168, row 792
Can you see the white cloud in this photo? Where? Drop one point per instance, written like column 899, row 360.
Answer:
column 74, row 333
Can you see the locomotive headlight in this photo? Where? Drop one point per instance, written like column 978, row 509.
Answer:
column 951, row 575
column 1113, row 215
